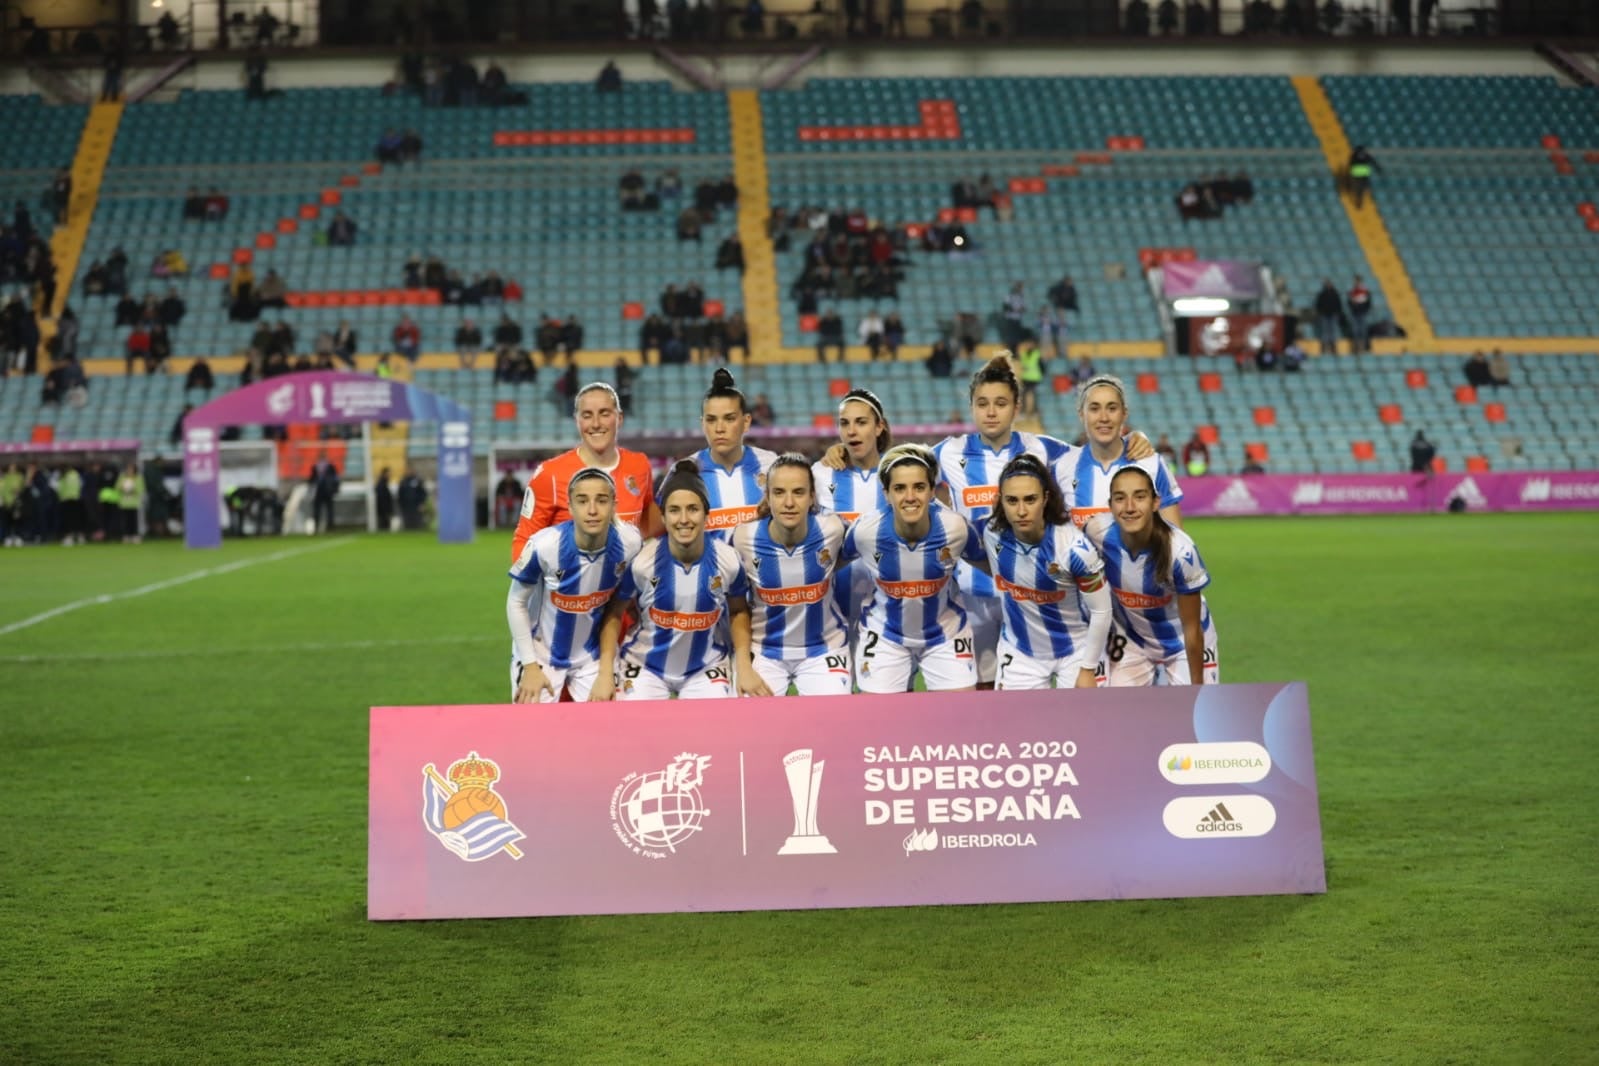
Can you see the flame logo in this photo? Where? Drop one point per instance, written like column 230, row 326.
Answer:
column 921, row 840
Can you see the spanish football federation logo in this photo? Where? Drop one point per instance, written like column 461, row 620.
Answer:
column 654, row 813
column 464, row 812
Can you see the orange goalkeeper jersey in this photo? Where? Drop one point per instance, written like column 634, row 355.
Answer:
column 544, row 500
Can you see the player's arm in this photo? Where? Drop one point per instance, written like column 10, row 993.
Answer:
column 745, row 677
column 1173, row 514
column 1191, row 610
column 538, row 509
column 651, row 523
column 604, row 688
column 836, row 457
column 1138, row 446
column 972, row 551
column 530, row 679
column 1095, row 596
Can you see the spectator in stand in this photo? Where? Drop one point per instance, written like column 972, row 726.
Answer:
column 730, row 254
column 1421, row 453
column 408, row 338
column 341, row 231
column 67, row 329
column 1329, row 313
column 194, row 205
column 128, row 311
column 273, row 291
column 1361, row 166
column 762, row 414
column 571, row 339
column 870, row 333
column 111, row 82
column 344, row 344
column 1052, row 328
column 1359, row 317
column 610, row 78
column 138, row 348
column 737, row 334
column 624, row 384
column 1252, row 466
column 468, row 343
column 1478, row 372
column 61, row 195
column 829, row 334
column 941, row 360
column 1084, row 371
column 1499, row 370
column 1196, row 456
column 216, row 205
column 1014, row 316
column 1164, row 449
column 651, row 335
column 548, row 338
column 160, row 347
column 688, row 224
column 389, row 145
column 893, row 335
column 507, row 337
column 1030, row 372
column 411, row 147
column 668, row 185
column 255, row 69
column 199, row 377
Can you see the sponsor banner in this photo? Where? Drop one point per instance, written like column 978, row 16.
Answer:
column 1231, row 279
column 117, row 444
column 1334, row 494
column 333, row 397
column 1234, row 334
column 920, row 798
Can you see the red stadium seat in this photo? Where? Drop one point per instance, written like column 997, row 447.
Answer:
column 1148, row 383
column 946, row 215
column 332, row 197
column 715, row 307
column 1266, row 416
column 349, row 181
column 1550, row 141
column 838, row 388
column 310, row 211
column 1476, row 464
column 42, row 435
column 1148, row 257
column 1465, row 394
column 632, row 311
column 1440, row 465
column 915, row 230
column 966, row 214
column 1364, row 450
column 288, row 225
column 1494, row 412
column 1593, row 224
column 372, row 168
column 822, row 421
column 1390, row 414
column 1062, row 170
column 1257, row 451
column 1210, row 381
column 1587, row 209
column 1416, row 379
column 218, row 271
column 808, row 323
column 1209, row 434
column 1062, row 384
column 505, row 410
column 242, row 256
column 266, row 241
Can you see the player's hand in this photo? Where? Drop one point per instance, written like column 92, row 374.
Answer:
column 1138, row 446
column 531, row 683
column 836, row 457
column 1086, row 678
column 1097, row 527
column 750, row 682
column 604, row 687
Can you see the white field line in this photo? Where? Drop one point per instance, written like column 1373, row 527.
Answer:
column 172, row 582
column 255, row 649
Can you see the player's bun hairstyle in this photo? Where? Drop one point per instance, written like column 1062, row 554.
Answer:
column 997, row 371
column 616, row 401
column 792, row 461
column 590, row 473
column 1027, row 465
column 885, row 437
column 920, row 454
column 685, row 477
column 723, row 386
column 1160, row 531
column 1109, row 381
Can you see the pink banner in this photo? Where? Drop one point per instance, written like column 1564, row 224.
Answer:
column 1330, row 494
column 921, row 798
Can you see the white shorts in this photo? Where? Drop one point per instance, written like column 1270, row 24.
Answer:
column 984, row 615
column 824, row 675
column 579, row 681
column 1019, row 671
column 1137, row 667
column 884, row 666
column 634, row 682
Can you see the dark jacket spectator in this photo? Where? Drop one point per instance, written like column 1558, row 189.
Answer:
column 199, row 377
column 341, row 231
column 1421, row 453
column 610, row 78
column 172, row 309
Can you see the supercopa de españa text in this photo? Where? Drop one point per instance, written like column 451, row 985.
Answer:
column 1008, row 789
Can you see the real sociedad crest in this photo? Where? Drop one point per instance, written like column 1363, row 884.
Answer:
column 464, row 812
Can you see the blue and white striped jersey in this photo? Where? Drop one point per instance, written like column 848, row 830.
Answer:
column 1085, row 482
column 1043, row 615
column 914, row 601
column 1146, row 612
column 680, row 630
column 733, row 493
column 572, row 588
column 792, row 613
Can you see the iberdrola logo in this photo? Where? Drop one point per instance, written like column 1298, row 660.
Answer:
column 1180, row 762
column 464, row 812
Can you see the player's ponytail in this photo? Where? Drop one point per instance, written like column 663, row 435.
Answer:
column 1159, row 528
column 724, row 387
column 685, row 477
column 997, row 371
column 793, row 461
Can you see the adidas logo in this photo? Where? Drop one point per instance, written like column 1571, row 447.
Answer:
column 1219, row 820
column 1236, row 498
column 1536, row 490
column 1469, row 494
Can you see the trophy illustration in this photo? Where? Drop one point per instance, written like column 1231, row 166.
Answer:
column 805, row 788
column 318, row 395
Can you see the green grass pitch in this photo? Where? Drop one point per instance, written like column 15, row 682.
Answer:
column 182, row 878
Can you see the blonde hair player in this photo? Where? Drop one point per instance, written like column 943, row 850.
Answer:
column 789, row 551
column 1085, row 478
column 847, row 484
